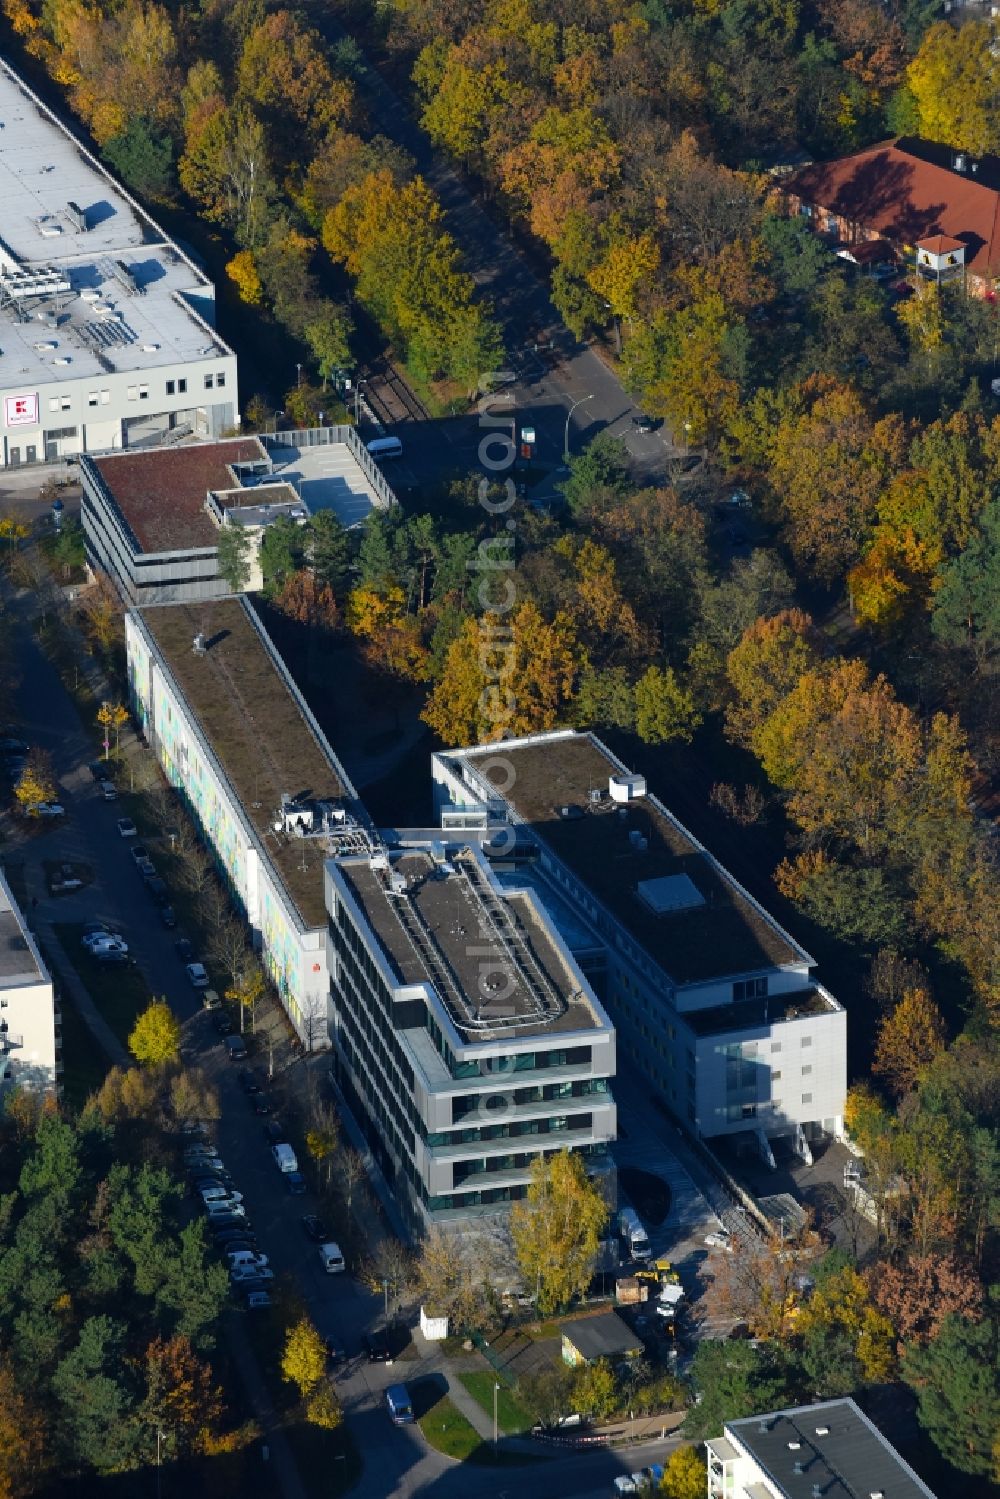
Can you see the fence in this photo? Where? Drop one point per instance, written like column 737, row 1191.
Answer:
column 317, row 437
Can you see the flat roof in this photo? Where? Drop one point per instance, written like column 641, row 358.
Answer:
column 100, row 326
column 327, row 476
column 18, row 962
column 728, row 934
column 256, row 730
column 441, row 931
column 809, row 1000
column 263, row 504
column 160, row 492
column 833, row 1445
column 601, row 1336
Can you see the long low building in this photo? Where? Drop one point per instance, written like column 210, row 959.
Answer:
column 465, row 1036
column 152, row 520
column 714, row 1002
column 107, row 336
column 30, row 1032
column 234, row 735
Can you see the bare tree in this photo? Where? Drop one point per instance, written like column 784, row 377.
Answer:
column 229, row 950
column 351, row 1172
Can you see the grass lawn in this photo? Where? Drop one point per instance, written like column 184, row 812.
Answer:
column 512, row 1417
column 447, row 1430
column 120, row 993
column 84, row 1064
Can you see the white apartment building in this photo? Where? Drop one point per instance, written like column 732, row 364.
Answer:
column 30, row 1032
column 235, row 737
column 713, row 1001
column 826, row 1451
column 465, row 1037
column 107, row 336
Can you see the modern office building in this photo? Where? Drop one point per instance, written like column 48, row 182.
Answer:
column 235, row 737
column 107, row 336
column 713, row 1001
column 465, row 1037
column 826, row 1451
column 152, row 519
column 30, row 1031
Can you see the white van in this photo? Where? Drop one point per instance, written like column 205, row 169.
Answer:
column 331, row 1258
column 385, row 447
column 284, row 1158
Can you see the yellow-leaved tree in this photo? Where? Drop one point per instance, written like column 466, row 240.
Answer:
column 35, row 784
column 557, row 1228
column 156, row 1035
column 908, row 1040
column 303, row 1359
column 954, row 79
column 684, row 1475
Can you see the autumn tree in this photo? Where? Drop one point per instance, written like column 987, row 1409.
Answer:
column 182, row 1397
column 765, row 666
column 25, row 1441
column 683, row 1475
column 908, row 1040
column 953, row 79
column 841, row 1306
column 302, row 599
column 36, row 783
column 112, row 717
column 557, row 1228
column 156, row 1035
column 303, row 1359
column 192, row 1097
column 247, row 992
column 921, row 1291
column 505, row 679
column 759, row 1284
column 664, row 710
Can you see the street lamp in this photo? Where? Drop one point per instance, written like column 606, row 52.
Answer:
column 496, row 1392
column 569, row 416
column 277, row 416
column 357, row 396
column 298, row 377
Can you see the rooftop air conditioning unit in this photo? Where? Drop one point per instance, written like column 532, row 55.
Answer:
column 626, row 788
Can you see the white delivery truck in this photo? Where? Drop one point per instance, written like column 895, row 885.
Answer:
column 633, row 1235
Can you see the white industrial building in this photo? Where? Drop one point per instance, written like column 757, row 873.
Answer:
column 107, row 335
column 30, row 1033
column 236, row 739
column 830, row 1450
column 713, row 1001
column 465, row 1037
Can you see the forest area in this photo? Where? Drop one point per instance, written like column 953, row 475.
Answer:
column 845, row 660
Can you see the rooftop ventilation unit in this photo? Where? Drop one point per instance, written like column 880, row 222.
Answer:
column 199, row 645
column 626, row 788
column 960, row 161
column 794, row 1446
column 822, row 1431
column 77, row 216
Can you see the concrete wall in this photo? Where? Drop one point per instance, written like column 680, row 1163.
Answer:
column 28, row 1009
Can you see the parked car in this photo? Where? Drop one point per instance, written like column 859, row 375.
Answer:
column 260, row 1105
column 98, row 926
column 224, row 1025
column 331, row 1258
column 210, row 1000
column 284, row 1157
column 274, row 1131
column 219, row 1192
column 252, row 1272
column 47, row 809
column 257, row 1301
column 398, row 1404
column 101, row 946
column 157, row 889
column 200, row 1151
column 248, row 1080
column 110, row 956
column 225, row 1212
column 643, row 423
column 139, row 851
column 234, row 1238
column 168, row 917
column 236, row 1048
column 109, row 791
column 377, row 1347
column 237, row 1258
column 315, row 1228
column 99, row 770
column 296, row 1183
column 184, row 949
column 197, row 975
column 195, row 1127
column 127, row 828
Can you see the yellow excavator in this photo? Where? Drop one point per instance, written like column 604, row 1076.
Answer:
column 659, row 1272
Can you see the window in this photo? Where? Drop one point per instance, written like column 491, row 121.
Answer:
column 806, row 1041
column 171, row 387
column 53, row 403
column 133, row 392
column 806, row 1071
column 750, row 989
column 748, row 1111
column 65, row 403
column 105, row 397
column 182, row 386
column 775, row 1047
column 92, row 398
column 209, row 381
column 775, row 1077
column 143, row 392
column 220, row 379
column 807, row 1098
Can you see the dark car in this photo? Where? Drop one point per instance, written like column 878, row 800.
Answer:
column 99, row 770
column 643, row 423
column 158, row 889
column 295, row 1183
column 168, row 918
column 260, row 1105
column 223, row 1025
column 248, row 1080
column 377, row 1347
column 184, row 949
column 230, row 1235
column 110, row 956
column 315, row 1228
column 249, row 1283
column 274, row 1132
column 139, row 851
